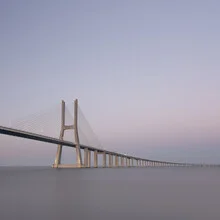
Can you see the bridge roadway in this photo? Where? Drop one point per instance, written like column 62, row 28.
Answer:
column 42, row 138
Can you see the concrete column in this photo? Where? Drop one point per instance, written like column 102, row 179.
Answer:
column 95, row 158
column 89, row 159
column 119, row 161
column 110, row 160
column 122, row 161
column 104, row 160
column 126, row 161
column 132, row 162
column 116, row 160
column 86, row 157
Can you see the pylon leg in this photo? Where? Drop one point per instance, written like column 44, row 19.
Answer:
column 58, row 156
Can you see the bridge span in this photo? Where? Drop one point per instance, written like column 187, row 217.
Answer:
column 129, row 160
column 115, row 159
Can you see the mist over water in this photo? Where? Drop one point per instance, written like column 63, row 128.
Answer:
column 124, row 193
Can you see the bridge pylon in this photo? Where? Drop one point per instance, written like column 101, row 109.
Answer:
column 64, row 127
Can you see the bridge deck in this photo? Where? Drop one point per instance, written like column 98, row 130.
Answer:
column 42, row 138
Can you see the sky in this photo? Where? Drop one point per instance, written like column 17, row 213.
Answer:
column 146, row 74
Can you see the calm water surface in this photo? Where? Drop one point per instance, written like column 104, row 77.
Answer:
column 130, row 193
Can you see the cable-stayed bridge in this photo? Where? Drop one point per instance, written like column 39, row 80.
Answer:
column 90, row 144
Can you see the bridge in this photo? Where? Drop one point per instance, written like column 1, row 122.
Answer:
column 115, row 159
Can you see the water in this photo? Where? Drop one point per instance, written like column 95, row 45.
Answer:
column 131, row 193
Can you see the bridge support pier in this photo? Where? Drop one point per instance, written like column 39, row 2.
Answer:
column 86, row 157
column 95, row 158
column 126, row 161
column 110, row 160
column 116, row 160
column 132, row 162
column 104, row 160
column 89, row 159
column 122, row 161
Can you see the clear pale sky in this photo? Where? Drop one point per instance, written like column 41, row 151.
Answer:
column 146, row 73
